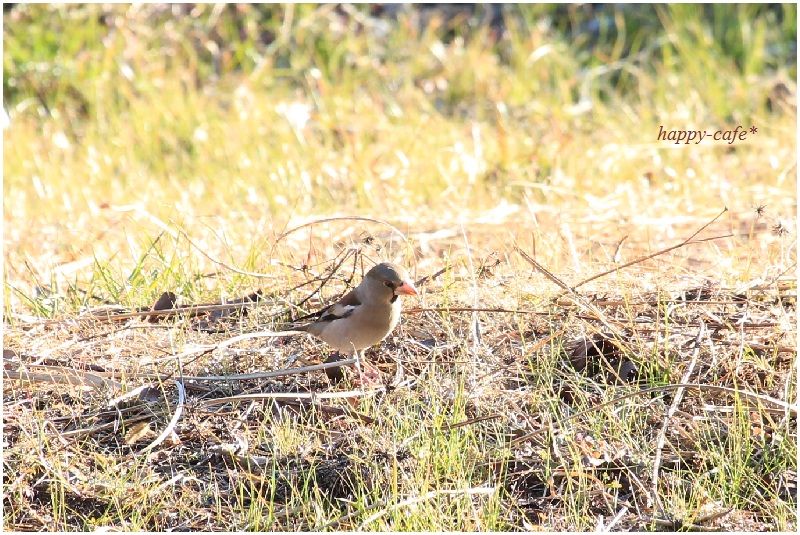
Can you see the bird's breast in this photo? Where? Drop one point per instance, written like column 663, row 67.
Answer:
column 369, row 326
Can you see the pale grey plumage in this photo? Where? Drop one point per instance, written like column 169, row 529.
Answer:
column 367, row 314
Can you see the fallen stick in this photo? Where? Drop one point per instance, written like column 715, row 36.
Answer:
column 268, row 375
column 172, row 423
column 662, row 435
column 313, row 396
column 662, row 251
column 59, row 375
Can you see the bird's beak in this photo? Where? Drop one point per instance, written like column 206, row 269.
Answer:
column 406, row 289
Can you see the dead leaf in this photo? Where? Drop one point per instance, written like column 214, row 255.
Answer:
column 167, row 301
column 138, row 432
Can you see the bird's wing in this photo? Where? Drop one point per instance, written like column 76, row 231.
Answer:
column 348, row 299
column 341, row 309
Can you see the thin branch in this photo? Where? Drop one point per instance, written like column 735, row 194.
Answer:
column 139, row 208
column 60, row 375
column 622, row 512
column 471, row 421
column 662, row 435
column 313, row 396
column 112, row 404
column 577, row 298
column 337, row 522
column 325, row 281
column 662, row 251
column 543, row 270
column 675, row 525
column 267, row 375
column 172, row 423
column 418, row 310
column 191, row 310
column 342, row 218
column 338, row 411
column 427, row 278
column 261, row 334
column 102, row 427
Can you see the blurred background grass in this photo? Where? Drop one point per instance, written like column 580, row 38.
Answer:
column 246, row 118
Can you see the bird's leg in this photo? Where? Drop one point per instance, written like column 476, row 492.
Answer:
column 367, row 373
column 358, row 357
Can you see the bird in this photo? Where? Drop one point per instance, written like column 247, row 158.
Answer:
column 365, row 315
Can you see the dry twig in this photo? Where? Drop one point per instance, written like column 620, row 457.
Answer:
column 662, row 435
column 172, row 423
column 687, row 241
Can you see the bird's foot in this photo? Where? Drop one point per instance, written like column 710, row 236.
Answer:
column 370, row 375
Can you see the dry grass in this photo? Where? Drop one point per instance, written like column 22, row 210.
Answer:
column 548, row 408
column 278, row 464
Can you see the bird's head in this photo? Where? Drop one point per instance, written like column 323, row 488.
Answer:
column 394, row 279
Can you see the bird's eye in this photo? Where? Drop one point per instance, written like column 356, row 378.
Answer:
column 388, row 284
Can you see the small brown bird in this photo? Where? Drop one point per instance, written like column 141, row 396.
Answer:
column 367, row 314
